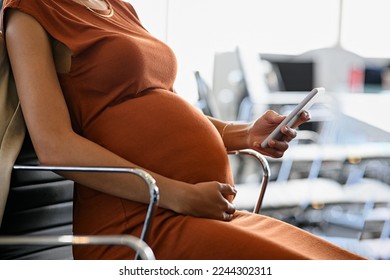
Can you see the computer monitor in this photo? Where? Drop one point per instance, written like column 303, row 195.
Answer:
column 373, row 81
column 295, row 75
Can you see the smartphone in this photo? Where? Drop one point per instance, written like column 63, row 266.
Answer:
column 305, row 104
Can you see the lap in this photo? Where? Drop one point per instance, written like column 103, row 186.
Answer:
column 247, row 236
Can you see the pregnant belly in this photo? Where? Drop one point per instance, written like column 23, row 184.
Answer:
column 165, row 134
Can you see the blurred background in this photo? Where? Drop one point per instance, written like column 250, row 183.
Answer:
column 238, row 58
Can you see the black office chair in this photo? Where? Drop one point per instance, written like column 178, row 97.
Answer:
column 204, row 95
column 37, row 221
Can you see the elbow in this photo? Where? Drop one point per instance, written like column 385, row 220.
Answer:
column 47, row 160
column 49, row 156
column 52, row 151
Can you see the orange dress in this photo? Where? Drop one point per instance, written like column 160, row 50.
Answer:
column 119, row 94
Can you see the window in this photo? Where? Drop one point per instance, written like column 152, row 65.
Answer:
column 196, row 29
column 277, row 26
column 365, row 27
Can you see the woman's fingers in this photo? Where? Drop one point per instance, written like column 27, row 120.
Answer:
column 229, row 210
column 214, row 201
column 303, row 117
column 289, row 133
column 227, row 216
column 227, row 189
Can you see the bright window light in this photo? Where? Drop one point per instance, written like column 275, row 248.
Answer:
column 365, row 27
column 277, row 26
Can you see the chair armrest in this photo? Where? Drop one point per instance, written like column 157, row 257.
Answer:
column 143, row 250
column 149, row 180
column 266, row 171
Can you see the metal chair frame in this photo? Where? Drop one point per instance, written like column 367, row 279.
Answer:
column 143, row 251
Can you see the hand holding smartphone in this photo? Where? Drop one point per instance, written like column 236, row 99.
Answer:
column 305, row 104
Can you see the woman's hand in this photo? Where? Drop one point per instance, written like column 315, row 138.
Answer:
column 209, row 200
column 264, row 125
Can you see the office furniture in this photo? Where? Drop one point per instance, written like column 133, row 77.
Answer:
column 37, row 221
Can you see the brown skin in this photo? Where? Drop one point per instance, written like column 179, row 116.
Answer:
column 48, row 122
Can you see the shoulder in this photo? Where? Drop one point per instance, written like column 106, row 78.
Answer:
column 52, row 15
column 23, row 29
column 26, row 4
column 34, row 7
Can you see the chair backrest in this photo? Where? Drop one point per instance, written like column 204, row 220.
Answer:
column 238, row 83
column 228, row 84
column 205, row 97
column 39, row 202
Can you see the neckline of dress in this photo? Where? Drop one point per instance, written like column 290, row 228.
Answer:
column 107, row 13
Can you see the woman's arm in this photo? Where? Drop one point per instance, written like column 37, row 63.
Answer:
column 48, row 122
column 238, row 136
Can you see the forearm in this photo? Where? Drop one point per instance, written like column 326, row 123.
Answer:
column 233, row 134
column 205, row 199
column 78, row 151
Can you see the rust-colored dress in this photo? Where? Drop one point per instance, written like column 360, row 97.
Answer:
column 119, row 94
